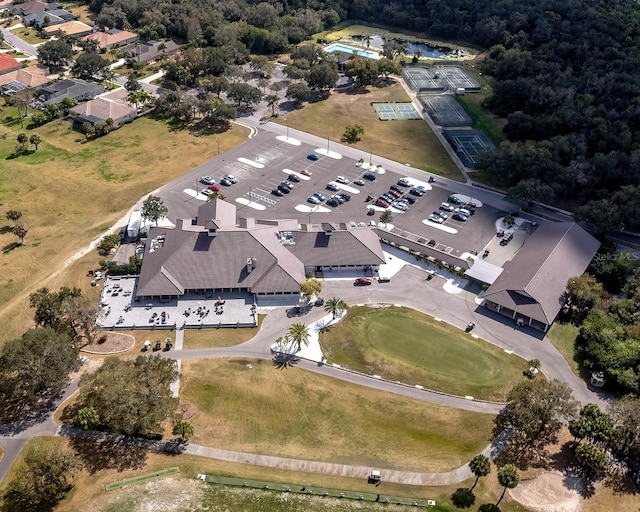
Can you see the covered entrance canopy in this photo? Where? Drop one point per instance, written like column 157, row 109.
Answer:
column 484, row 272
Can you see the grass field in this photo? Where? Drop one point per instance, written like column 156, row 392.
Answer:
column 405, row 345
column 250, row 405
column 183, row 492
column 207, row 338
column 482, row 119
column 563, row 336
column 28, row 35
column 70, row 192
column 403, row 141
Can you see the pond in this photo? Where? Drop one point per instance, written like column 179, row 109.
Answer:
column 426, row 50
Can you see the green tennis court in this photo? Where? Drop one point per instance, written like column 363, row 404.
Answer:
column 402, row 111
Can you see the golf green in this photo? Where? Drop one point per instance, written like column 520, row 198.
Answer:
column 404, row 345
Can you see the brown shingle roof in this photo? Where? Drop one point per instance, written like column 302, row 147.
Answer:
column 534, row 282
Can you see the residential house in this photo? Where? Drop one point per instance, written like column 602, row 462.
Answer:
column 24, row 78
column 70, row 88
column 112, row 38
column 151, row 50
column 216, row 253
column 531, row 289
column 43, row 19
column 70, row 28
column 98, row 110
column 27, row 8
column 8, row 64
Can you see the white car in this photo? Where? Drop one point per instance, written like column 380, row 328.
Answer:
column 342, row 179
column 447, row 207
column 207, row 180
column 400, row 206
column 436, row 218
column 404, row 182
column 463, row 211
column 231, row 178
column 332, row 185
column 207, row 192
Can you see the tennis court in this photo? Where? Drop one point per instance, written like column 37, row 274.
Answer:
column 396, row 111
column 422, row 79
column 458, row 78
column 445, row 110
column 468, row 144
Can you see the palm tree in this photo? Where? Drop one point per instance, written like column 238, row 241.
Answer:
column 35, row 140
column 298, row 335
column 480, row 465
column 335, row 306
column 509, row 478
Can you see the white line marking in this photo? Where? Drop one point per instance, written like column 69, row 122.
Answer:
column 252, row 163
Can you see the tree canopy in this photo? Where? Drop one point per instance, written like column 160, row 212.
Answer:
column 153, row 209
column 131, row 397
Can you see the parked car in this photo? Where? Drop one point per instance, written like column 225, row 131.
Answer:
column 395, row 193
column 306, row 172
column 400, row 206
column 214, row 188
column 207, row 180
column 362, row 281
column 382, row 202
column 436, row 218
column 313, row 156
column 404, row 182
column 277, row 192
column 332, row 185
column 441, row 214
column 231, row 178
column 286, row 184
column 421, row 189
column 319, row 301
column 345, row 196
column 371, row 211
column 397, row 189
column 460, row 217
column 388, row 197
column 207, row 191
column 384, row 279
column 319, row 195
column 338, row 198
column 454, row 200
column 342, row 179
column 447, row 207
column 313, row 200
column 359, row 182
column 333, row 202
column 369, row 176
column 463, row 211
column 410, row 199
column 416, row 192
column 293, row 178
column 284, row 188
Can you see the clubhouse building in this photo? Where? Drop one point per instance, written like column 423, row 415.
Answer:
column 216, row 252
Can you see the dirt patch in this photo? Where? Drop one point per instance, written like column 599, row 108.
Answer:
column 165, row 495
column 114, row 342
column 549, row 492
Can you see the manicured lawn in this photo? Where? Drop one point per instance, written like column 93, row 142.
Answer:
column 140, row 73
column 207, row 338
column 403, row 141
column 408, row 346
column 250, row 405
column 70, row 192
column 28, row 35
column 563, row 336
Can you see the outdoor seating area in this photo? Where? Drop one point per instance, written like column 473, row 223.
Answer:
column 121, row 309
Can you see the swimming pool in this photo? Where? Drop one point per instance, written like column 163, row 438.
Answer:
column 343, row 48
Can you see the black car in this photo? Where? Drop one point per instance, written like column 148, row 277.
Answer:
column 277, row 192
column 293, row 178
column 369, row 176
column 454, row 200
column 416, row 192
column 397, row 188
column 460, row 217
column 333, row 202
column 410, row 200
column 284, row 189
column 345, row 196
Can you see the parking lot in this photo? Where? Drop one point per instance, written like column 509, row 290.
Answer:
column 262, row 163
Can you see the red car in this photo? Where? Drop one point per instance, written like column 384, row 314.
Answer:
column 214, row 188
column 306, row 172
column 363, row 281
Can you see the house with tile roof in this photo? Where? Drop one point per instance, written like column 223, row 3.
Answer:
column 531, row 289
column 112, row 38
column 215, row 252
column 24, row 78
column 70, row 28
column 98, row 110
column 8, row 64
